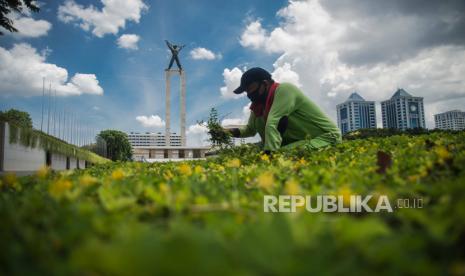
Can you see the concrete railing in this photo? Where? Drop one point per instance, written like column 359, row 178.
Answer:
column 15, row 157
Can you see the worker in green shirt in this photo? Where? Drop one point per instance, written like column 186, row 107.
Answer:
column 282, row 115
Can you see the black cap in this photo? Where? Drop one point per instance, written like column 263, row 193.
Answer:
column 250, row 76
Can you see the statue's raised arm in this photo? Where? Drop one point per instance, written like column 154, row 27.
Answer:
column 169, row 45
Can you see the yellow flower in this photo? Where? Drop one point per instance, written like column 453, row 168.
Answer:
column 180, row 200
column 413, row 178
column 117, row 174
column 164, row 189
column 442, row 153
column 10, row 180
column 59, row 187
column 150, row 193
column 185, row 169
column 266, row 181
column 332, row 159
column 265, row 157
column 43, row 172
column 201, row 200
column 345, row 192
column 233, row 163
column 198, row 169
column 292, row 187
column 87, row 180
column 168, row 175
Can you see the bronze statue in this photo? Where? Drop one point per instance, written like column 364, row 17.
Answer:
column 175, row 49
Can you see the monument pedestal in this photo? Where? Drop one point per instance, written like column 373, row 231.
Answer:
column 182, row 78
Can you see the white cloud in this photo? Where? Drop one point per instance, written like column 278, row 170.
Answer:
column 242, row 120
column 22, row 71
column 197, row 129
column 232, row 80
column 108, row 20
column 203, row 53
column 197, row 135
column 128, row 41
column 28, row 27
column 151, row 121
column 311, row 42
column 254, row 36
column 284, row 73
column 232, row 121
column 87, row 82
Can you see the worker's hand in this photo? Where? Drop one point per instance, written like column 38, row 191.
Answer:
column 234, row 132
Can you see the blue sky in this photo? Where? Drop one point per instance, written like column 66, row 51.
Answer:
column 328, row 48
column 133, row 80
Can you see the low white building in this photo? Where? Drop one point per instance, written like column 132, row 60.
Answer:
column 154, row 154
column 151, row 139
column 151, row 147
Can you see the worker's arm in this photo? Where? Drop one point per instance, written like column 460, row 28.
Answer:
column 248, row 131
column 283, row 104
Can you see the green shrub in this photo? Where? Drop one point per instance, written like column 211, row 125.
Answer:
column 206, row 216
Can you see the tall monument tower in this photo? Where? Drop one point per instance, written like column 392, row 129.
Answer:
column 175, row 49
column 182, row 77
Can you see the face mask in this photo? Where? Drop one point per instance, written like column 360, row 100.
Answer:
column 256, row 97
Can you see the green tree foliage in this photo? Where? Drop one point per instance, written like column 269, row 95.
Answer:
column 218, row 137
column 118, row 146
column 8, row 6
column 16, row 117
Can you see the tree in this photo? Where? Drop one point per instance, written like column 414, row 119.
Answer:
column 16, row 117
column 7, row 6
column 218, row 137
column 118, row 147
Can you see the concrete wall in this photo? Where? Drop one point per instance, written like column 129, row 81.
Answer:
column 72, row 163
column 18, row 158
column 174, row 154
column 58, row 162
column 82, row 164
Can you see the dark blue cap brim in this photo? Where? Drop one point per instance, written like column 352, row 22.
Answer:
column 239, row 90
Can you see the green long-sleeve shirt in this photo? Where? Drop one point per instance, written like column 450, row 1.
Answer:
column 306, row 121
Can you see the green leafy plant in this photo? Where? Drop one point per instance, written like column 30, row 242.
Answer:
column 16, row 117
column 17, row 6
column 218, row 136
column 129, row 218
column 117, row 143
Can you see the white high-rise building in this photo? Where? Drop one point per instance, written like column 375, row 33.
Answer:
column 454, row 120
column 356, row 113
column 403, row 111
